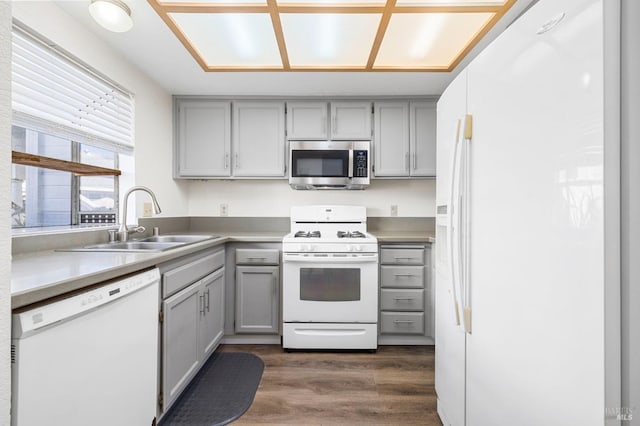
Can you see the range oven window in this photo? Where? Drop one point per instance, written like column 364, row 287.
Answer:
column 320, row 163
column 330, row 284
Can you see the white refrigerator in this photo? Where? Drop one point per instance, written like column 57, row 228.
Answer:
column 527, row 224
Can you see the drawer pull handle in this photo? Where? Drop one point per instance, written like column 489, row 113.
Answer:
column 201, row 304
column 403, row 257
column 256, row 258
column 408, row 299
column 404, row 275
column 403, row 322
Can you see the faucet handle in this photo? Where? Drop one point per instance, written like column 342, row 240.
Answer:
column 113, row 235
column 138, row 229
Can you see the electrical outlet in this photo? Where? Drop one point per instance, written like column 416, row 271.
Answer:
column 394, row 210
column 224, row 209
column 147, row 210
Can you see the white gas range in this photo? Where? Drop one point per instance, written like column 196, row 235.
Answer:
column 330, row 279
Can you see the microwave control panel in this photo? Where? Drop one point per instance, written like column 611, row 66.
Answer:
column 360, row 163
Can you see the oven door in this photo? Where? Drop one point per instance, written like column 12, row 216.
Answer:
column 320, row 163
column 330, row 287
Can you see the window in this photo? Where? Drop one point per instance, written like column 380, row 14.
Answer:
column 65, row 110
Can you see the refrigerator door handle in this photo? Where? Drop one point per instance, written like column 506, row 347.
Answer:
column 453, row 210
column 465, row 253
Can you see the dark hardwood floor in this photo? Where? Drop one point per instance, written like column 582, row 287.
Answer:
column 391, row 387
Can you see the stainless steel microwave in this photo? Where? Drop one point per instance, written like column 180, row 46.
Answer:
column 329, row 164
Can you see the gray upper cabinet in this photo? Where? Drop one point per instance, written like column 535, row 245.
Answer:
column 307, row 120
column 351, row 120
column 423, row 139
column 258, row 139
column 321, row 120
column 391, row 139
column 202, row 138
column 404, row 139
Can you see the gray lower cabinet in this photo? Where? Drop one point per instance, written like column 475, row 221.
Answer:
column 257, row 299
column 257, row 289
column 406, row 308
column 192, row 319
column 212, row 317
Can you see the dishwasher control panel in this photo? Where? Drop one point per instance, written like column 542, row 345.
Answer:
column 31, row 320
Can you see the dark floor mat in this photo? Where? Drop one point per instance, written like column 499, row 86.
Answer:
column 220, row 393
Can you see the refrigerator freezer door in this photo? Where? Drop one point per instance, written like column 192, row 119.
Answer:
column 450, row 337
column 536, row 354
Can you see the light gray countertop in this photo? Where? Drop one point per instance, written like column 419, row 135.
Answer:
column 40, row 275
column 405, row 236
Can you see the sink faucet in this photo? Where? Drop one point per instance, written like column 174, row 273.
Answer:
column 124, row 231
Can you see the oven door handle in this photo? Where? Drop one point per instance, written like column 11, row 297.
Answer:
column 292, row 258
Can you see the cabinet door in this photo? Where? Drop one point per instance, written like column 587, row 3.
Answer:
column 351, row 120
column 257, row 299
column 258, row 139
column 212, row 321
column 180, row 352
column 307, row 120
column 203, row 138
column 391, row 139
column 423, row 139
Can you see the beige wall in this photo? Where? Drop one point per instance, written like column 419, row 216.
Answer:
column 414, row 198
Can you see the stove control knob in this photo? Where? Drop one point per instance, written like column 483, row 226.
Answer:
column 304, row 247
column 358, row 248
column 311, row 247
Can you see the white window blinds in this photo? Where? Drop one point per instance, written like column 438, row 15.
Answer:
column 56, row 94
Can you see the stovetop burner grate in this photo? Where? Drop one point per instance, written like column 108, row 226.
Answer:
column 307, row 234
column 350, row 234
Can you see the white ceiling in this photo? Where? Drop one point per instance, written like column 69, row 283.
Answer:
column 152, row 47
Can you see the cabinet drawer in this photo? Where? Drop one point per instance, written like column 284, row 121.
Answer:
column 402, row 323
column 402, row 276
column 404, row 256
column 180, row 277
column 402, row 300
column 257, row 256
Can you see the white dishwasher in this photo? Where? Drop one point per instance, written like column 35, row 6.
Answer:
column 89, row 359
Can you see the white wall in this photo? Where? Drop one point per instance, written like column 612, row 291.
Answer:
column 5, row 191
column 414, row 198
column 153, row 158
column 153, row 125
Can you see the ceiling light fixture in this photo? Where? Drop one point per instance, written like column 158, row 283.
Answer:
column 113, row 15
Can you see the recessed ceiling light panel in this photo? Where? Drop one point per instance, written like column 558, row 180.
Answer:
column 450, row 2
column 231, row 39
column 428, row 40
column 333, row 2
column 328, row 39
column 214, row 2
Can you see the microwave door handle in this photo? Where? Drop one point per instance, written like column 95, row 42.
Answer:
column 350, row 172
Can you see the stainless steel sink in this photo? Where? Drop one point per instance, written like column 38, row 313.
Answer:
column 178, row 238
column 130, row 246
column 151, row 244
